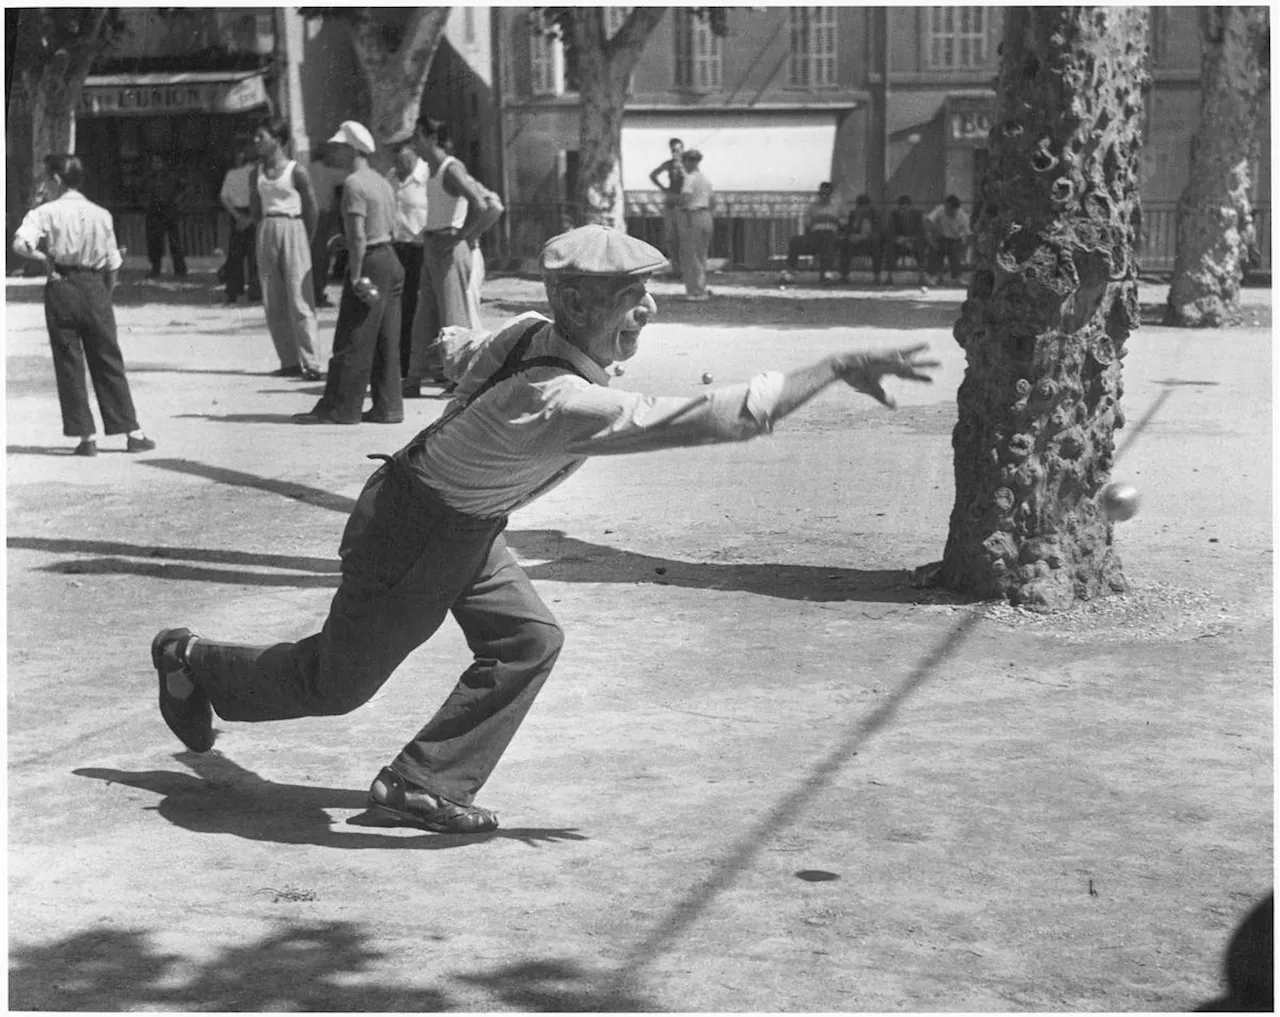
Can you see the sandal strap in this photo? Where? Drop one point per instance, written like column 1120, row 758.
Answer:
column 444, row 816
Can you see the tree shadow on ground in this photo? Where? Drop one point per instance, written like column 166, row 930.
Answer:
column 301, row 966
column 560, row 559
column 223, row 797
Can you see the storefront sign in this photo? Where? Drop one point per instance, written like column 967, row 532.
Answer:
column 969, row 121
column 178, row 97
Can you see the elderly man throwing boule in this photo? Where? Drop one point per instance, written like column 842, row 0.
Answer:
column 425, row 538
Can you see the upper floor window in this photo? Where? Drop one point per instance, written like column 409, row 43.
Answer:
column 813, row 46
column 553, row 62
column 547, row 59
column 956, row 37
column 698, row 63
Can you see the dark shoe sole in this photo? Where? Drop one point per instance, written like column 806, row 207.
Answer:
column 191, row 719
column 368, row 419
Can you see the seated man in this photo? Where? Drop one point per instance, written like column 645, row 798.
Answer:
column 905, row 235
column 821, row 234
column 947, row 230
column 861, row 236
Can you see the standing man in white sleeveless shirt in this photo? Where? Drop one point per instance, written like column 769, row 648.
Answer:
column 284, row 207
column 459, row 210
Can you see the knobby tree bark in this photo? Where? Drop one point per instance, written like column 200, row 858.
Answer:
column 605, row 66
column 55, row 48
column 1050, row 305
column 1215, row 217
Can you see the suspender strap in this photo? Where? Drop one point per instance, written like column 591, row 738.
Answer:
column 511, row 366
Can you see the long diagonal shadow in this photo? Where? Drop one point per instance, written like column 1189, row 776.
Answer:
column 285, row 488
column 782, row 815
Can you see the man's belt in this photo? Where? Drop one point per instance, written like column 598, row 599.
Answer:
column 453, row 231
column 281, row 215
column 68, row 269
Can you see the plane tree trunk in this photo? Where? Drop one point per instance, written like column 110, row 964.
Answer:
column 1051, row 303
column 1215, row 216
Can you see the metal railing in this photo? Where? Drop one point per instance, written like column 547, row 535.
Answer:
column 752, row 228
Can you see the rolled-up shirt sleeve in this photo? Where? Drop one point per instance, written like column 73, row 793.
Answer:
column 592, row 420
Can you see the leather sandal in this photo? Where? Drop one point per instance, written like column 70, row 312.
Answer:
column 391, row 795
column 191, row 719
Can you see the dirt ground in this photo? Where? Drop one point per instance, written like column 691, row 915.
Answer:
column 767, row 773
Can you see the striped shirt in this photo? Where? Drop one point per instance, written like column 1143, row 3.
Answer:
column 529, row 433
column 76, row 232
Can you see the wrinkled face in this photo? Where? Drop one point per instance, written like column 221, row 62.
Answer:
column 612, row 332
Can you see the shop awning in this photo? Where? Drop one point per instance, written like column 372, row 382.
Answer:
column 758, row 151
column 173, row 93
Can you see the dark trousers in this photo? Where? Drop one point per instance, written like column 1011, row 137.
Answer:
column 162, row 225
column 242, row 251
column 819, row 243
column 852, row 247
column 947, row 248
column 328, row 226
column 898, row 247
column 408, row 560
column 410, row 256
column 366, row 344
column 82, row 330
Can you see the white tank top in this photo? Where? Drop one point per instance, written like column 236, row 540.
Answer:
column 444, row 211
column 279, row 196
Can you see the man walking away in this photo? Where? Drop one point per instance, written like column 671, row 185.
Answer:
column 425, row 537
column 697, row 224
column 164, row 198
column 451, row 236
column 366, row 342
column 76, row 241
column 671, row 188
column 408, row 178
column 242, row 256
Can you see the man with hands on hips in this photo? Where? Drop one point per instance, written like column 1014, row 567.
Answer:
column 426, row 536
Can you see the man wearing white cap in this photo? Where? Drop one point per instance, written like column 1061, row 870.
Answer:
column 366, row 341
column 425, row 538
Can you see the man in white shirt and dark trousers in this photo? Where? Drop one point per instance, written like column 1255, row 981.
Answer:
column 425, row 538
column 242, row 243
column 76, row 240
column 408, row 179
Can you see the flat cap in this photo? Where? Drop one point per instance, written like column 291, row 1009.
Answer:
column 355, row 134
column 599, row 250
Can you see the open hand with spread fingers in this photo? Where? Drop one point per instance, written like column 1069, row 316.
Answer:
column 863, row 371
